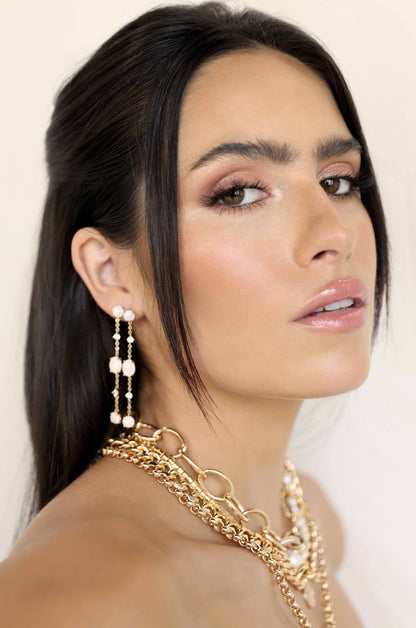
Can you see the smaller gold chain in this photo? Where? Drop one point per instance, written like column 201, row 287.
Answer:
column 144, row 451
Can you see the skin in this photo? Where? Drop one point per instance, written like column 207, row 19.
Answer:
column 245, row 276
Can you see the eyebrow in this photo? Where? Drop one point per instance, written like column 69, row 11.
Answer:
column 279, row 153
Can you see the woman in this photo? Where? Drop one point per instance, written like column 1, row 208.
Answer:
column 210, row 188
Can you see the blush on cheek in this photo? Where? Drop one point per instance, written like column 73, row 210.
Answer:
column 218, row 275
column 232, row 298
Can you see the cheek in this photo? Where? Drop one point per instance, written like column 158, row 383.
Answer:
column 366, row 247
column 221, row 277
column 233, row 298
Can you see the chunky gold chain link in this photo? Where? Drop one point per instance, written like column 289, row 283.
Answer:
column 144, row 451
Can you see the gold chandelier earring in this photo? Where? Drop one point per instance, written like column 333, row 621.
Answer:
column 127, row 367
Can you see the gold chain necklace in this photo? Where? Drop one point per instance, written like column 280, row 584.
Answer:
column 295, row 558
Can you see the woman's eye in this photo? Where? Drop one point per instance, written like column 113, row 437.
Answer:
column 338, row 186
column 236, row 196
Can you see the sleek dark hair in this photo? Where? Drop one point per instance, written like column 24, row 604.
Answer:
column 112, row 164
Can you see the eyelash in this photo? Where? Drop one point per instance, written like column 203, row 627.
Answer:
column 360, row 181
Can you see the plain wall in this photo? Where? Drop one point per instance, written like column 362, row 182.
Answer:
column 359, row 446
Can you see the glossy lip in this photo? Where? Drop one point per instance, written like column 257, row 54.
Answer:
column 337, row 321
column 352, row 288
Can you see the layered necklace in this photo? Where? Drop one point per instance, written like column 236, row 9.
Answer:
column 296, row 558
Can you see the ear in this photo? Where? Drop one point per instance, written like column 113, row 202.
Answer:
column 109, row 272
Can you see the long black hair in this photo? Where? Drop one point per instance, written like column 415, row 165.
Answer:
column 111, row 152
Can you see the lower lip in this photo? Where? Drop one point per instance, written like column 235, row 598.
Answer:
column 341, row 320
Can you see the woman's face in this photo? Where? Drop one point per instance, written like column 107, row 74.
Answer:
column 247, row 271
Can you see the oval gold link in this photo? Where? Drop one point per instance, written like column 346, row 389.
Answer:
column 193, row 464
column 144, row 436
column 257, row 511
column 158, row 435
column 208, row 472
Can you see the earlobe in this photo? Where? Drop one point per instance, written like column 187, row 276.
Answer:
column 96, row 262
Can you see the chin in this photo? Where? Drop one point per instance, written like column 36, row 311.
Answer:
column 339, row 377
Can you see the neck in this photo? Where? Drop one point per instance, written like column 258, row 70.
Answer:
column 248, row 445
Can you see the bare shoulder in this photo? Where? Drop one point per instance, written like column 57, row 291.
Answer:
column 85, row 573
column 327, row 519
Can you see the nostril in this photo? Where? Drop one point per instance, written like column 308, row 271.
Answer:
column 325, row 252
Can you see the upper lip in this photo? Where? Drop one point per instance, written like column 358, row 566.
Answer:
column 352, row 288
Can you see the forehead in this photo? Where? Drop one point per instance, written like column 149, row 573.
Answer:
column 255, row 93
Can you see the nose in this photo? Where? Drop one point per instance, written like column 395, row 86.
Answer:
column 325, row 228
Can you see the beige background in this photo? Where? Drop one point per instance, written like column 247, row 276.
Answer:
column 365, row 462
